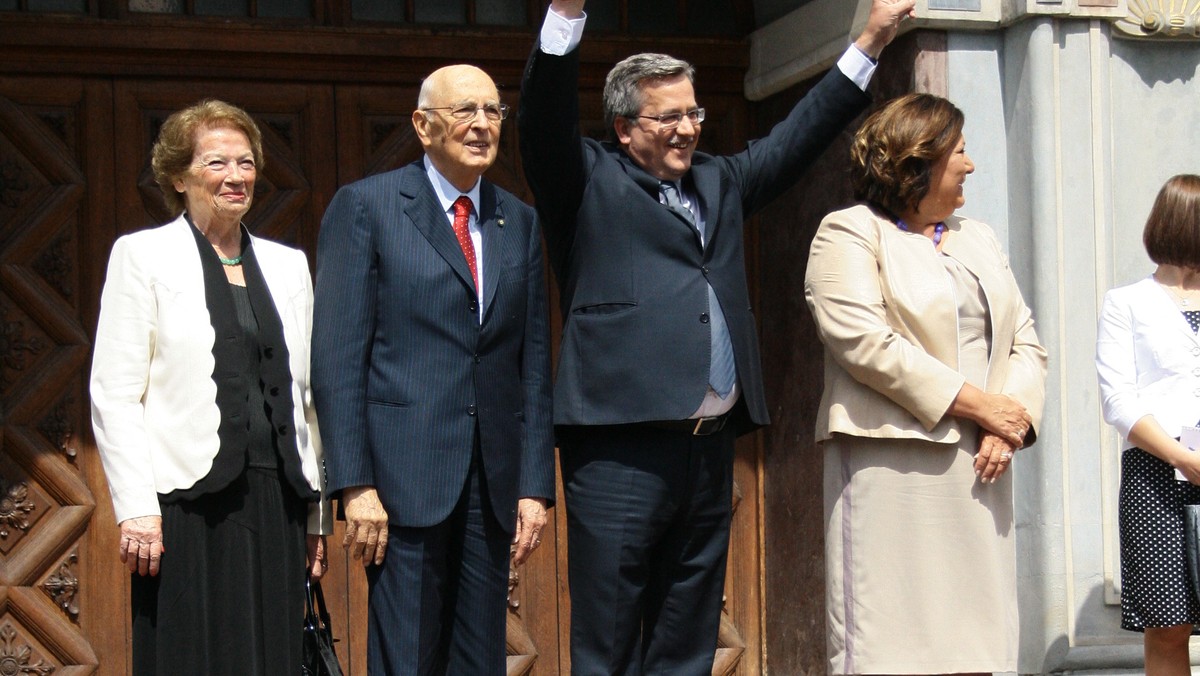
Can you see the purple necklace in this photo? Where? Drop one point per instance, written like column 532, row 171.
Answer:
column 937, row 230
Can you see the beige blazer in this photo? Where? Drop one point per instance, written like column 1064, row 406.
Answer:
column 887, row 315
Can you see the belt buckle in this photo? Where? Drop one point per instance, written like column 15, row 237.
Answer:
column 707, row 426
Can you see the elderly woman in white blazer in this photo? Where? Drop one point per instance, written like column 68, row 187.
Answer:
column 934, row 377
column 203, row 415
column 1148, row 361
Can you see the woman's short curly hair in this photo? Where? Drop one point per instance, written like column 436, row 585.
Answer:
column 176, row 143
column 897, row 146
column 1172, row 233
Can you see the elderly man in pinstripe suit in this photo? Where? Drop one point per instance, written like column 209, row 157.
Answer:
column 431, row 373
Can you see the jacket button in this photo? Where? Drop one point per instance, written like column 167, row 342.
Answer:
column 703, row 317
column 283, row 429
column 473, row 306
column 704, row 270
column 477, row 359
column 471, row 409
column 269, row 352
column 274, row 391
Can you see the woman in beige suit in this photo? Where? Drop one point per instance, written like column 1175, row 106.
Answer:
column 934, row 378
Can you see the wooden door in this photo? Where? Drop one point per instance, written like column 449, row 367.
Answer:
column 74, row 175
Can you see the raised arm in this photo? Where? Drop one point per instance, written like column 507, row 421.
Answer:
column 551, row 143
column 883, row 23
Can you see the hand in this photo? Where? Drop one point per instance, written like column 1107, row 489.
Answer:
column 883, row 23
column 567, row 9
column 317, row 551
column 142, row 544
column 994, row 457
column 1189, row 465
column 1005, row 417
column 366, row 525
column 531, row 519
column 999, row 414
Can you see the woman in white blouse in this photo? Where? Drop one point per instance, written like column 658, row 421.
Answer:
column 1148, row 360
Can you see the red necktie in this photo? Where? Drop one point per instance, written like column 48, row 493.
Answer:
column 462, row 214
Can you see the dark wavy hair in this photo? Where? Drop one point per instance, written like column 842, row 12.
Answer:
column 895, row 148
column 176, row 144
column 1172, row 233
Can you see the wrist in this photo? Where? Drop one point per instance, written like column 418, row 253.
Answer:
column 870, row 46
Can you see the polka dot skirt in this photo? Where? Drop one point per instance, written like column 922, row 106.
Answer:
column 1155, row 589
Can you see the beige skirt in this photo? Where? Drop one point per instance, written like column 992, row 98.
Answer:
column 920, row 560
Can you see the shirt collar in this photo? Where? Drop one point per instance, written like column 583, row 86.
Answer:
column 445, row 190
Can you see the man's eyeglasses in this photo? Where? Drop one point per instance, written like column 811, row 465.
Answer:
column 466, row 111
column 672, row 120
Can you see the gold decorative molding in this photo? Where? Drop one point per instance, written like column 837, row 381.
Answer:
column 1160, row 19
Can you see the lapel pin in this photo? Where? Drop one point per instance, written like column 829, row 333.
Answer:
column 500, row 221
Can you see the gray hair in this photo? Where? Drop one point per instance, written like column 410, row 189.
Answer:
column 622, row 91
column 425, row 95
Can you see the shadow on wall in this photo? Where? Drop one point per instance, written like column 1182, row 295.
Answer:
column 1124, row 652
column 1160, row 61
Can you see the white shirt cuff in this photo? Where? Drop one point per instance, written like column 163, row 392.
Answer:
column 854, row 64
column 560, row 34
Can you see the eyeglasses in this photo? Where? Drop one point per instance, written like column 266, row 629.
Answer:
column 466, row 111
column 672, row 120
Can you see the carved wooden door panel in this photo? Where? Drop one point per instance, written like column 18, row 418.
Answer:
column 52, row 222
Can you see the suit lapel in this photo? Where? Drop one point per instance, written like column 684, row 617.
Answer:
column 426, row 213
column 491, row 228
column 706, row 183
column 651, row 186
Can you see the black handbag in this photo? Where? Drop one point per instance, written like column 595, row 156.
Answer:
column 319, row 657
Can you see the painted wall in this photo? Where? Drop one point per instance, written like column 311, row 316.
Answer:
column 1073, row 132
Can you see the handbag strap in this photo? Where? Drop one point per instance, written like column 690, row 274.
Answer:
column 319, row 596
column 316, row 616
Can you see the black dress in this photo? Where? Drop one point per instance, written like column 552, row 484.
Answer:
column 1155, row 591
column 229, row 598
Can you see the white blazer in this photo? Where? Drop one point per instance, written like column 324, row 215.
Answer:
column 154, row 406
column 1148, row 360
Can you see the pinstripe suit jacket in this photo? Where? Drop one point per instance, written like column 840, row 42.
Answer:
column 403, row 368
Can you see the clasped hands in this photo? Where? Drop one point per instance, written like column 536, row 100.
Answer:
column 1004, row 423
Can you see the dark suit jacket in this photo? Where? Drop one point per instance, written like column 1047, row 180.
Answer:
column 631, row 274
column 402, row 368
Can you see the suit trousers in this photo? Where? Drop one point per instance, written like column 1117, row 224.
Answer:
column 437, row 604
column 648, row 513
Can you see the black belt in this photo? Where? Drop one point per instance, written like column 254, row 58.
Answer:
column 699, row 427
